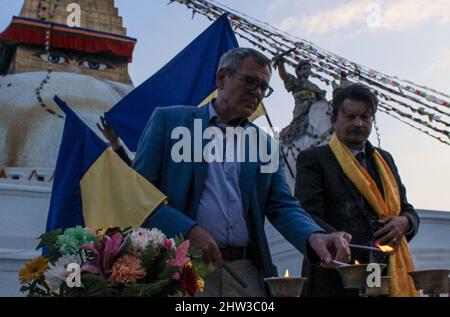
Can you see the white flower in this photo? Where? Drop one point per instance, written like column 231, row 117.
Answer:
column 141, row 237
column 57, row 273
column 157, row 236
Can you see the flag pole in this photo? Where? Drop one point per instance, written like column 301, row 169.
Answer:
column 273, row 131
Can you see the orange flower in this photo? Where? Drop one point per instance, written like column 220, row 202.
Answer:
column 33, row 270
column 127, row 269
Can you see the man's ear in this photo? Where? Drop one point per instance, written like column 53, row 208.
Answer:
column 220, row 78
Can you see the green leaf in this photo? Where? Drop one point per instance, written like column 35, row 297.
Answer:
column 178, row 240
column 49, row 239
column 24, row 288
column 97, row 286
column 127, row 244
column 195, row 253
column 160, row 288
column 154, row 261
column 168, row 272
column 93, row 285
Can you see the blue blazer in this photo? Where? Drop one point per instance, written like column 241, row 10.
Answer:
column 263, row 194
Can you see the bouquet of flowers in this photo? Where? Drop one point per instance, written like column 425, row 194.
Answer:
column 113, row 262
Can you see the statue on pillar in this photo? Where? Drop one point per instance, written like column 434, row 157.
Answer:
column 311, row 122
column 305, row 93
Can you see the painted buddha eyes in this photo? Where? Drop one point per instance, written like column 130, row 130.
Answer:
column 54, row 58
column 94, row 65
column 85, row 63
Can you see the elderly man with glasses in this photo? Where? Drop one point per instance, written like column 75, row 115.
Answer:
column 221, row 206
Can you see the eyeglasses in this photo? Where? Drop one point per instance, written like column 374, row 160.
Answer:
column 252, row 82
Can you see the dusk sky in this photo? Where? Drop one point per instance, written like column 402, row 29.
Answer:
column 411, row 41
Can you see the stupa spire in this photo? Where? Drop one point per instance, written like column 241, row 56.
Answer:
column 98, row 15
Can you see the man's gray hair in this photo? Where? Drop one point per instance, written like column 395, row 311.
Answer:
column 232, row 59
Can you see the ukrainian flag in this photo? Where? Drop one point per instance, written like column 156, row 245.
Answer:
column 93, row 187
column 188, row 79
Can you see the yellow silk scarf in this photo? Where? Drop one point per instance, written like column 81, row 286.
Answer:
column 400, row 262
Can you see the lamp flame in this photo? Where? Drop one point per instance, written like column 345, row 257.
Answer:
column 357, row 263
column 384, row 248
column 286, row 274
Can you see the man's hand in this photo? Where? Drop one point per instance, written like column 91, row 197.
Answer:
column 109, row 133
column 394, row 228
column 331, row 247
column 201, row 239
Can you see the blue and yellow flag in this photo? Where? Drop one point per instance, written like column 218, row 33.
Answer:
column 93, row 187
column 188, row 79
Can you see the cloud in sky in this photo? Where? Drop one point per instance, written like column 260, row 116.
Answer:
column 383, row 14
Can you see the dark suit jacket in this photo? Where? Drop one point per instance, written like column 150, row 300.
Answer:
column 336, row 205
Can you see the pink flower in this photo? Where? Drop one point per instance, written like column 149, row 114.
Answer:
column 167, row 244
column 127, row 269
column 180, row 257
column 105, row 255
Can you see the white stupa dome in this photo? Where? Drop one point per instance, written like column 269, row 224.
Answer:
column 29, row 134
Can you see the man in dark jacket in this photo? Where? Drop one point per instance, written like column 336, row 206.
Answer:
column 351, row 186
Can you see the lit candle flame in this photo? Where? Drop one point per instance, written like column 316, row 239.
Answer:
column 384, row 248
column 286, row 274
column 357, row 263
